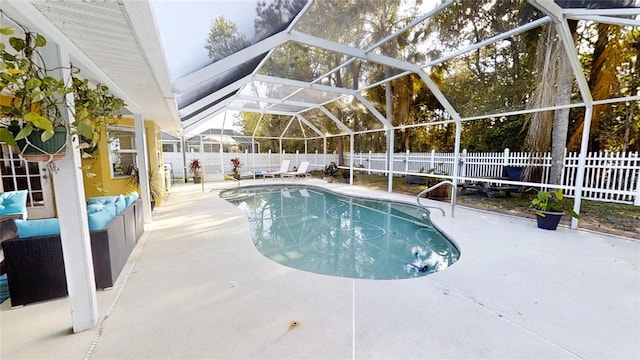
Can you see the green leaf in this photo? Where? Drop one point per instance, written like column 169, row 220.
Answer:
column 2, row 47
column 90, row 175
column 85, row 128
column 17, row 43
column 50, row 81
column 39, row 121
column 6, row 137
column 559, row 194
column 46, row 135
column 37, row 96
column 33, row 83
column 24, row 132
column 7, row 30
column 41, row 41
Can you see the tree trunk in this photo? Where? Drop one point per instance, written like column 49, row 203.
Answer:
column 560, row 120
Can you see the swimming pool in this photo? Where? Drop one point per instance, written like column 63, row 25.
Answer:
column 316, row 230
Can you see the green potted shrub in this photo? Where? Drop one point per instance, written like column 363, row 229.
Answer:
column 330, row 171
column 195, row 168
column 549, row 209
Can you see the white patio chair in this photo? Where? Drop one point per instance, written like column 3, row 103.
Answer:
column 284, row 168
column 302, row 170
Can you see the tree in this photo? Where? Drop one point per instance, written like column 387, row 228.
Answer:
column 224, row 39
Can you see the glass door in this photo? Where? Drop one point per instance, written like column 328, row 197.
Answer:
column 18, row 174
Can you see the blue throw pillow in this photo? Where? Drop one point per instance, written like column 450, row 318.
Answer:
column 13, row 202
column 99, row 215
column 118, row 200
column 39, row 227
column 131, row 198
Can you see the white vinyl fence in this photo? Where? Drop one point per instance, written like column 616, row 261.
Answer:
column 611, row 177
column 217, row 163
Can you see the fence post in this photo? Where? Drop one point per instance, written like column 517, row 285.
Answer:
column 246, row 157
column 369, row 163
column 406, row 161
column 433, row 159
column 297, row 156
column 636, row 202
column 505, row 159
column 463, row 163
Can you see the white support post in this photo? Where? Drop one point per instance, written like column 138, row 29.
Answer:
column 324, row 160
column 456, row 159
column 369, row 166
column 505, row 159
column 390, row 146
column 352, row 138
column 72, row 211
column 143, row 166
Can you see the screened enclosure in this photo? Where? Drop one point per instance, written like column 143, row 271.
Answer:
column 398, row 76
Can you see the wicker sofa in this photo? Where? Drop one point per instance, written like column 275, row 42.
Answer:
column 35, row 265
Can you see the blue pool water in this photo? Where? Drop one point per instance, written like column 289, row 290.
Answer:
column 316, row 230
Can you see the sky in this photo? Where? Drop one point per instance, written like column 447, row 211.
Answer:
column 184, row 26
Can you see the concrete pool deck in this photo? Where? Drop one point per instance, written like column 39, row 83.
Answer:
column 196, row 287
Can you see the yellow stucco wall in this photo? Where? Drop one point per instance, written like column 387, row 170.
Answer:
column 101, row 165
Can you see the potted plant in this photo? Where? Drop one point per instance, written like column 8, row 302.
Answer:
column 330, row 171
column 549, row 209
column 33, row 117
column 156, row 189
column 194, row 168
column 235, row 162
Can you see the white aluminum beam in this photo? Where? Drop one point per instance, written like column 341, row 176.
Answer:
column 386, row 123
column 607, row 20
column 302, row 84
column 336, row 120
column 310, row 125
column 607, row 12
column 278, row 101
column 187, row 82
column 199, row 104
column 489, row 41
column 188, row 125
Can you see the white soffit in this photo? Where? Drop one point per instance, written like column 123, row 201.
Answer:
column 102, row 30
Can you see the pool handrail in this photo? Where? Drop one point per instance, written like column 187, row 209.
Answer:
column 443, row 182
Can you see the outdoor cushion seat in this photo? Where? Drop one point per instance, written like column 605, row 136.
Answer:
column 14, row 203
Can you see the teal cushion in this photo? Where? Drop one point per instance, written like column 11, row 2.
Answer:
column 118, row 200
column 39, row 227
column 13, row 202
column 131, row 198
column 99, row 215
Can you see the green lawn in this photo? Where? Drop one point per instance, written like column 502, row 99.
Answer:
column 612, row 218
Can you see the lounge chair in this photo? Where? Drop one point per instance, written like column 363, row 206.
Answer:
column 284, row 168
column 302, row 171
